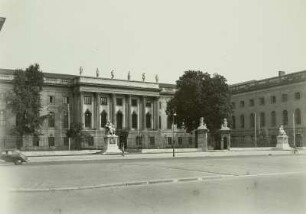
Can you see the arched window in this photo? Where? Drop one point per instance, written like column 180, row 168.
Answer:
column 262, row 119
column 119, row 120
column 252, row 120
column 148, row 120
column 233, row 122
column 87, row 119
column 273, row 119
column 134, row 120
column 2, row 118
column 242, row 121
column 65, row 120
column 103, row 118
column 297, row 116
column 51, row 120
column 169, row 122
column 285, row 117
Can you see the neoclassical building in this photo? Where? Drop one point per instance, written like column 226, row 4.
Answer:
column 136, row 108
column 260, row 107
column 138, row 111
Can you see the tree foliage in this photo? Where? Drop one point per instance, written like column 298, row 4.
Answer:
column 77, row 134
column 200, row 95
column 25, row 101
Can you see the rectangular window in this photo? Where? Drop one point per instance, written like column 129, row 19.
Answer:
column 134, row 102
column 159, row 122
column 103, row 101
column 66, row 141
column 148, row 104
column 262, row 101
column 169, row 140
column 242, row 104
column 180, row 140
column 152, row 141
column 66, row 100
column 251, row 102
column 233, row 105
column 87, row 100
column 284, row 97
column 119, row 101
column 273, row 99
column 51, row 99
column 297, row 95
column 51, row 141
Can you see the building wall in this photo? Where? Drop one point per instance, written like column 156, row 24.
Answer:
column 59, row 87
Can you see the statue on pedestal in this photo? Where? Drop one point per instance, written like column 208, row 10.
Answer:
column 281, row 131
column 109, row 128
column 202, row 124
column 224, row 125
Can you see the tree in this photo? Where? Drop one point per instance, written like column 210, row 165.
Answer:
column 25, row 102
column 77, row 134
column 200, row 95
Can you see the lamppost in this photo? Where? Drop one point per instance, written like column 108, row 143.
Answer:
column 173, row 150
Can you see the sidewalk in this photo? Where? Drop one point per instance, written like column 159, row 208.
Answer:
column 91, row 156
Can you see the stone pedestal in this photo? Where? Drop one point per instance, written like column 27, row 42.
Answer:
column 225, row 139
column 112, row 145
column 282, row 142
column 202, row 139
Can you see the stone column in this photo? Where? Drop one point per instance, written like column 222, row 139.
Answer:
column 113, row 108
column 129, row 112
column 81, row 109
column 143, row 113
column 97, row 113
column 156, row 114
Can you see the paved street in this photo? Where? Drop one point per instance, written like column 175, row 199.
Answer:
column 257, row 184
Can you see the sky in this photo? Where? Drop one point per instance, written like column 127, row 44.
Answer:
column 240, row 39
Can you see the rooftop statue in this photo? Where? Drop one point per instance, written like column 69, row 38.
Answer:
column 129, row 75
column 109, row 128
column 143, row 77
column 81, row 70
column 112, row 74
column 97, row 72
column 156, row 78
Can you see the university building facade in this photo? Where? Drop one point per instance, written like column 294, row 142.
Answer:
column 136, row 108
column 138, row 111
